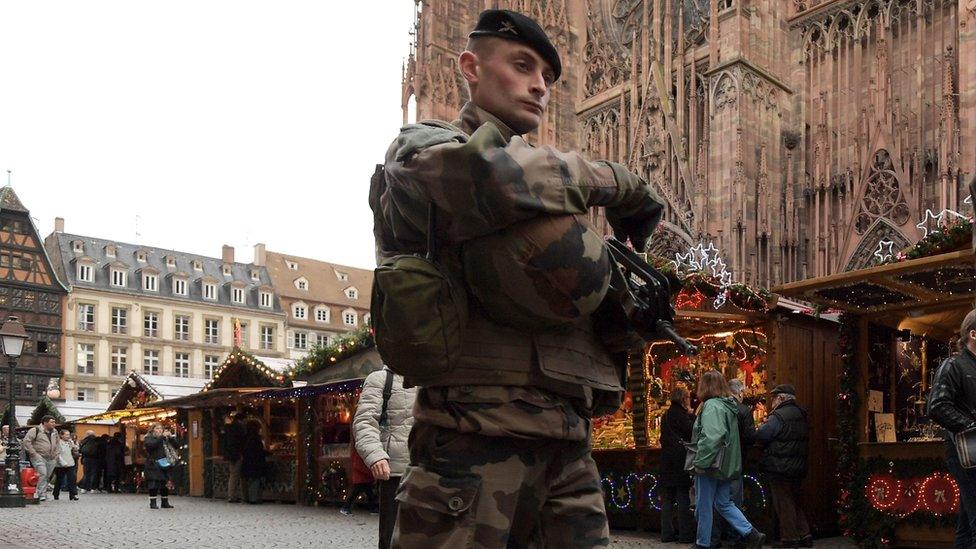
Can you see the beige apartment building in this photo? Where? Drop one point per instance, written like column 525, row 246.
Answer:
column 155, row 311
column 320, row 300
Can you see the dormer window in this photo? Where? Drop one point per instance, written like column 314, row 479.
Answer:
column 302, row 284
column 352, row 293
column 267, row 299
column 141, row 256
column 343, row 277
column 179, row 286
column 322, row 314
column 110, row 251
column 366, row 319
column 78, row 247
column 226, row 270
column 119, row 278
column 349, row 317
column 299, row 311
column 150, row 282
column 210, row 291
column 170, row 261
column 197, row 265
column 292, row 265
column 237, row 295
column 255, row 276
column 85, row 272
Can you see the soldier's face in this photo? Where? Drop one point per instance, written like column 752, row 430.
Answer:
column 511, row 82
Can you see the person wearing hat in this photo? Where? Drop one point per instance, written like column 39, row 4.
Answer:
column 785, row 436
column 500, row 448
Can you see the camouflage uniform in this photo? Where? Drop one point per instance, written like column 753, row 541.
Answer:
column 500, row 451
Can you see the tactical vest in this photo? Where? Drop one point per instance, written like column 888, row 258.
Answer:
column 786, row 455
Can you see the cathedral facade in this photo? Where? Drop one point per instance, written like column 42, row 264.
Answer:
column 795, row 135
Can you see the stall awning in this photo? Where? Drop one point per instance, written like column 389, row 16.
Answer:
column 114, row 416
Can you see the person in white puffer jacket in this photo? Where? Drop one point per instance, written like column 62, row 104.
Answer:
column 382, row 443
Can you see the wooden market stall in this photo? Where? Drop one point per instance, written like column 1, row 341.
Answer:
column 899, row 323
column 754, row 338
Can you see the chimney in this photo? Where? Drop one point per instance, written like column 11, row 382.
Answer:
column 227, row 254
column 260, row 255
column 59, row 224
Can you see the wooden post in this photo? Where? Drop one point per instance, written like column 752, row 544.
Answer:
column 863, row 360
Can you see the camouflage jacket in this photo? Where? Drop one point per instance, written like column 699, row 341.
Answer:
column 482, row 178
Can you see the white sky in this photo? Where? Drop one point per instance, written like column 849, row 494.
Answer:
column 214, row 122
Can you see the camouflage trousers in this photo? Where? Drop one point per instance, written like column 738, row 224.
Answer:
column 471, row 490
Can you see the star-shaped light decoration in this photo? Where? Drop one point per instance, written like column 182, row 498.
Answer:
column 969, row 200
column 940, row 219
column 884, row 253
column 701, row 258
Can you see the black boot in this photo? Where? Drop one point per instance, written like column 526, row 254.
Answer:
column 755, row 539
column 152, row 503
column 166, row 504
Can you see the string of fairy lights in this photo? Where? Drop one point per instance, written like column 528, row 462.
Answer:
column 640, row 490
column 931, row 225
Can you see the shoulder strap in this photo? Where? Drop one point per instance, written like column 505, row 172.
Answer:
column 387, row 393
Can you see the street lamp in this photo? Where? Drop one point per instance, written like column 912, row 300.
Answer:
column 12, row 337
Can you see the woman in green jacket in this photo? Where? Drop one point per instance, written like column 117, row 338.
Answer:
column 718, row 460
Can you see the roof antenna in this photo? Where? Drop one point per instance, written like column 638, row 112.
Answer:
column 138, row 235
column 8, row 177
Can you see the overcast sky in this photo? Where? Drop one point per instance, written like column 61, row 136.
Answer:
column 191, row 124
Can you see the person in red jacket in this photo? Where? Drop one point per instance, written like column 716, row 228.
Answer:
column 362, row 480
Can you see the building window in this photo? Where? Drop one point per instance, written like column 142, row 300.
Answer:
column 292, row 265
column 366, row 318
column 141, row 257
column 300, row 312
column 210, row 291
column 120, row 360
column 149, row 282
column 86, row 317
column 343, row 277
column 352, row 293
column 322, row 340
column 85, row 273
column 237, row 295
column 211, row 331
column 226, row 270
column 179, row 286
column 322, row 314
column 150, row 324
column 244, row 339
column 110, row 251
column 181, row 364
column 266, row 299
column 86, row 358
column 118, row 278
column 302, row 284
column 85, row 394
column 197, row 266
column 78, row 246
column 267, row 337
column 255, row 276
column 170, row 261
column 181, row 330
column 210, row 365
column 120, row 320
column 349, row 318
column 150, row 362
column 300, row 340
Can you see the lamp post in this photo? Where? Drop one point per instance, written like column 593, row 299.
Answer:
column 12, row 337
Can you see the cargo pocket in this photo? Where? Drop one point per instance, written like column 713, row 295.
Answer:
column 436, row 509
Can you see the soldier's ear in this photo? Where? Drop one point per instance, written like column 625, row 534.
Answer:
column 468, row 65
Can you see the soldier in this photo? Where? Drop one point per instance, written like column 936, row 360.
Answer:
column 500, row 450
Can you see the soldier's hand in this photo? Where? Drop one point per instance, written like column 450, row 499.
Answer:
column 636, row 227
column 381, row 470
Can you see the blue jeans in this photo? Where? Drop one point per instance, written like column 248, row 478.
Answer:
column 719, row 524
column 966, row 479
column 713, row 494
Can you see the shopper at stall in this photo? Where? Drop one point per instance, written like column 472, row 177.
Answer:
column 67, row 467
column 114, row 462
column 254, row 465
column 42, row 446
column 384, row 417
column 89, row 460
column 952, row 404
column 785, row 437
column 674, row 481
column 718, row 460
column 362, row 480
column 747, row 435
column 231, row 445
column 157, row 468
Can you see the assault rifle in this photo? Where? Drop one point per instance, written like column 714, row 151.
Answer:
column 648, row 312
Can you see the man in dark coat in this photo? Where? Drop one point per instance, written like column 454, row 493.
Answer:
column 114, row 462
column 231, row 448
column 254, row 466
column 89, row 459
column 785, row 436
column 675, row 482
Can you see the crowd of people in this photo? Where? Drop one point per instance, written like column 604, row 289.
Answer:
column 703, row 452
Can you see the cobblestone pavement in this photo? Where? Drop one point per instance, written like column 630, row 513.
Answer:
column 105, row 521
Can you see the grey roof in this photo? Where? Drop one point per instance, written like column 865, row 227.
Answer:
column 211, row 268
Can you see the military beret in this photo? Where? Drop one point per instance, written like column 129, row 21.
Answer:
column 514, row 26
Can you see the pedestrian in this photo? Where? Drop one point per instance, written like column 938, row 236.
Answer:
column 675, row 483
column 952, row 404
column 100, row 448
column 4, row 435
column 114, row 462
column 747, row 436
column 231, row 445
column 500, row 448
column 89, row 460
column 362, row 481
column 718, row 460
column 382, row 425
column 67, row 465
column 254, row 466
column 42, row 446
column 158, row 466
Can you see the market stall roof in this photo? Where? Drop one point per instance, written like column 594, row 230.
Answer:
column 930, row 288
column 141, row 389
column 114, row 416
column 210, row 399
column 72, row 410
column 242, row 369
column 356, row 366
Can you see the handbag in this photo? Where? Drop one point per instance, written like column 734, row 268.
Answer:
column 965, row 442
column 692, row 454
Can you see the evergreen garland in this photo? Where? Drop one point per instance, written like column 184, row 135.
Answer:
column 321, row 357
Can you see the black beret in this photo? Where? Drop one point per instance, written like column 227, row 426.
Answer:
column 784, row 389
column 511, row 25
